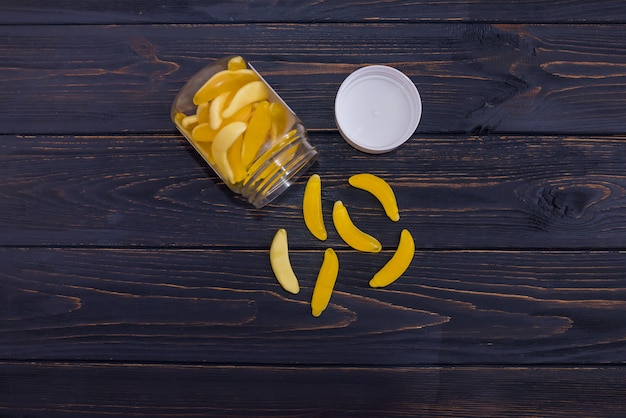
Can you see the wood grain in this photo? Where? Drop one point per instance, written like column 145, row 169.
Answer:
column 473, row 78
column 197, row 11
column 94, row 389
column 133, row 283
column 462, row 192
column 225, row 307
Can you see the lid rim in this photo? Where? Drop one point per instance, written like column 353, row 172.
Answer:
column 358, row 80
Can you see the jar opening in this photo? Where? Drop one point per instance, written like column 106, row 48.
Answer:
column 278, row 170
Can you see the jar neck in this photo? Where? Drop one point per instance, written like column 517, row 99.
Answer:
column 278, row 168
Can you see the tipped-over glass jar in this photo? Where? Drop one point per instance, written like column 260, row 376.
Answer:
column 252, row 140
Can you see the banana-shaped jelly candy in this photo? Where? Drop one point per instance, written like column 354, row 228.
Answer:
column 380, row 189
column 352, row 235
column 252, row 92
column 399, row 262
column 281, row 265
column 223, row 81
column 256, row 135
column 312, row 208
column 224, row 139
column 325, row 283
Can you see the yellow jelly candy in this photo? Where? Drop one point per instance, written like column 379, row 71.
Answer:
column 325, row 283
column 202, row 112
column 254, row 91
column 279, row 120
column 203, row 133
column 243, row 115
column 399, row 262
column 256, row 134
column 234, row 160
column 189, row 122
column 236, row 63
column 312, row 208
column 380, row 189
column 224, row 139
column 204, row 148
column 179, row 117
column 216, row 108
column 352, row 235
column 281, row 265
column 223, row 81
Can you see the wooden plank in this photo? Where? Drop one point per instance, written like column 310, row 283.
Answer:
column 224, row 306
column 463, row 192
column 92, row 389
column 196, row 11
column 472, row 77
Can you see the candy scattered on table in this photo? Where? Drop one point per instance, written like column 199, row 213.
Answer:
column 395, row 267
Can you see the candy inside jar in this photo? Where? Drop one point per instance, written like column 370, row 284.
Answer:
column 252, row 140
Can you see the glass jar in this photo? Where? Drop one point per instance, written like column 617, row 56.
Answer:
column 246, row 133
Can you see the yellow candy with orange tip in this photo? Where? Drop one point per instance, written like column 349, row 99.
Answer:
column 325, row 283
column 252, row 92
column 223, row 81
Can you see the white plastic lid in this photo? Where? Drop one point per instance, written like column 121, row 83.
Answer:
column 377, row 109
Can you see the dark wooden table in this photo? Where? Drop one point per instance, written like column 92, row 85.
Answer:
column 133, row 283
